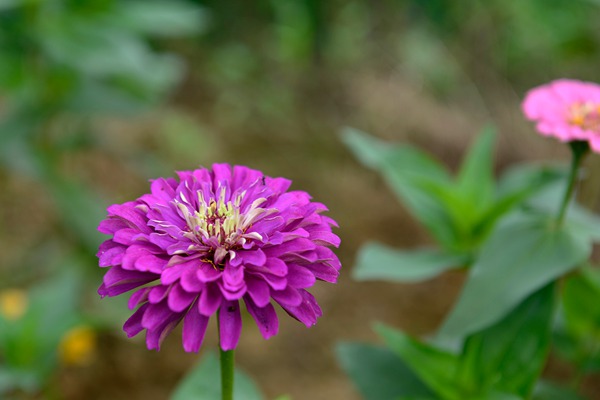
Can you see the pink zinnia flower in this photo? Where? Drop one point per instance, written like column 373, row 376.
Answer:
column 209, row 239
column 566, row 109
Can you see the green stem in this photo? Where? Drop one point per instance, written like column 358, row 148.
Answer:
column 227, row 368
column 578, row 149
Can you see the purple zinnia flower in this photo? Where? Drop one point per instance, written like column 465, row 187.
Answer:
column 209, row 239
column 566, row 109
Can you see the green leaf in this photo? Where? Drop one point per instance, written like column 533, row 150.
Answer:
column 204, row 382
column 377, row 261
column 546, row 390
column 521, row 256
column 161, row 18
column 509, row 356
column 416, row 178
column 368, row 150
column 530, row 178
column 378, row 373
column 475, row 178
column 580, row 302
column 436, row 368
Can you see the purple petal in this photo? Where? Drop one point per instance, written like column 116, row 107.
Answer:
column 208, row 273
column 300, row 277
column 156, row 315
column 307, row 312
column 325, row 238
column 324, row 272
column 158, row 293
column 117, row 281
column 194, row 328
column 233, row 277
column 287, row 297
column 131, row 215
column 111, row 225
column 163, row 189
column 210, row 300
column 259, row 291
column 255, row 257
column 139, row 296
column 265, row 317
column 230, row 324
column 292, row 246
column 222, row 173
column 190, row 282
column 126, row 236
column 133, row 325
column 278, row 184
column 111, row 256
column 150, row 263
column 155, row 336
column 179, row 299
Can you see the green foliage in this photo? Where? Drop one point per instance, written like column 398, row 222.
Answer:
column 520, row 257
column 460, row 213
column 435, row 367
column 379, row 374
column 495, row 341
column 377, row 261
column 29, row 342
column 577, row 333
column 203, row 381
column 503, row 361
column 90, row 57
column 509, row 356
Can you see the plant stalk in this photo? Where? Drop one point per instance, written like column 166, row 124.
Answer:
column 227, row 370
column 578, row 149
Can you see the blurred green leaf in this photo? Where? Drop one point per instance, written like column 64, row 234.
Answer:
column 204, row 382
column 475, row 179
column 581, row 307
column 378, row 373
column 509, row 356
column 520, row 257
column 377, row 261
column 161, row 18
column 368, row 150
column 530, row 177
column 28, row 344
column 413, row 176
column 436, row 368
column 546, row 390
column 80, row 209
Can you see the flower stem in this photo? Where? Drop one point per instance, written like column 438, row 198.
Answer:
column 227, row 368
column 578, row 149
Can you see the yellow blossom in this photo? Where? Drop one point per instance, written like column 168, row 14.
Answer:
column 13, row 304
column 77, row 346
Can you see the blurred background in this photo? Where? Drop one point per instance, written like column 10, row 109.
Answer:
column 99, row 96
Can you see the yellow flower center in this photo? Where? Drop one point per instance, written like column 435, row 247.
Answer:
column 585, row 115
column 220, row 224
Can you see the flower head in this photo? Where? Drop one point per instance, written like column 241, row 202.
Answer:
column 201, row 243
column 566, row 109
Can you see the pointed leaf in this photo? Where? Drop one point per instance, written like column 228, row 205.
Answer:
column 521, row 256
column 377, row 261
column 509, row 356
column 546, row 390
column 414, row 177
column 378, row 373
column 434, row 367
column 475, row 179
